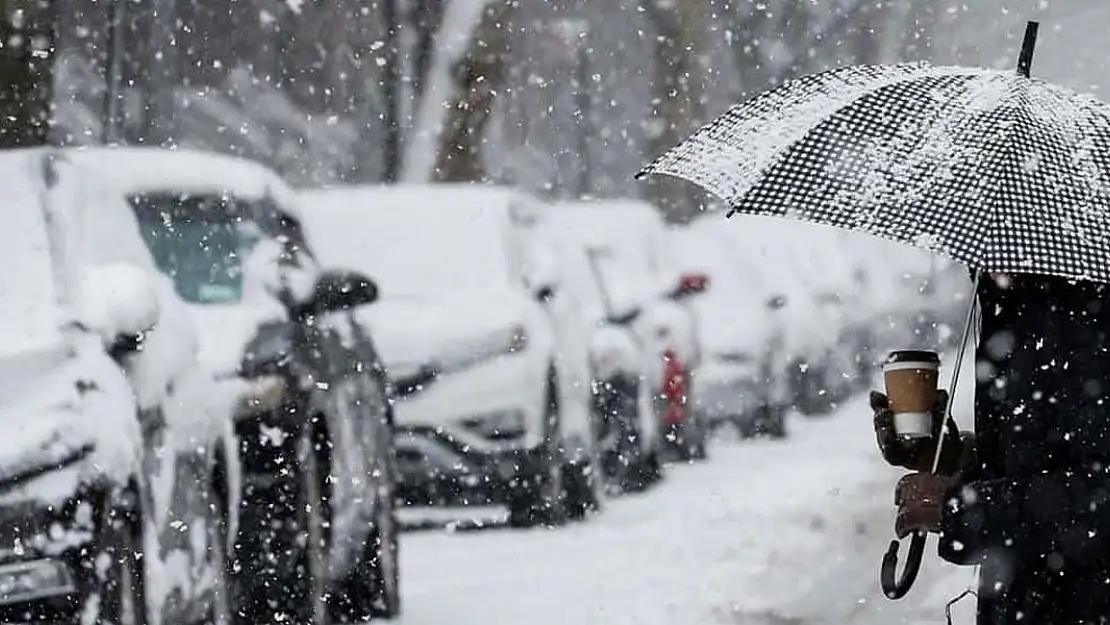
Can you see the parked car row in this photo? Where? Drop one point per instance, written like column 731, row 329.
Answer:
column 199, row 428
column 799, row 318
column 218, row 390
column 538, row 366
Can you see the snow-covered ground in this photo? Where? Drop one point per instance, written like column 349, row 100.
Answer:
column 765, row 533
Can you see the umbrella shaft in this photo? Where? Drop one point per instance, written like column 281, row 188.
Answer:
column 956, row 369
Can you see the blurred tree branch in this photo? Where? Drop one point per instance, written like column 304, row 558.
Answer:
column 677, row 91
column 27, row 43
column 478, row 78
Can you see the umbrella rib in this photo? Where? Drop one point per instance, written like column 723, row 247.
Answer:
column 1007, row 144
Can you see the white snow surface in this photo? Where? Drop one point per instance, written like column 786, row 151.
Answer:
column 764, row 533
column 148, row 169
column 29, row 316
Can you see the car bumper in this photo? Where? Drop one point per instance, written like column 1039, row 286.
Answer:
column 436, row 469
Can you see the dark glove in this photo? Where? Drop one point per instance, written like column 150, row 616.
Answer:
column 917, row 454
column 920, row 501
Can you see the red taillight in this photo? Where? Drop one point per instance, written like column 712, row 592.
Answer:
column 673, row 388
column 694, row 283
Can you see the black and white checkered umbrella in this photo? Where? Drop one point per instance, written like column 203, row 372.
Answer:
column 991, row 168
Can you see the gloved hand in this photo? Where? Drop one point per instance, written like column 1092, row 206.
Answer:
column 917, row 454
column 920, row 499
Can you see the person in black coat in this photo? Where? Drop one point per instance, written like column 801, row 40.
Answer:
column 1027, row 497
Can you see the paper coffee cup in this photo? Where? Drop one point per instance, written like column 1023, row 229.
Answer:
column 911, row 386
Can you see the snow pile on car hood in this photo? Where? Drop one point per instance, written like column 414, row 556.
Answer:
column 410, row 332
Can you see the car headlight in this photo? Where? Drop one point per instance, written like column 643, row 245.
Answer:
column 263, row 395
column 497, row 425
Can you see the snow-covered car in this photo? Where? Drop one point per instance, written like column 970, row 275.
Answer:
column 319, row 533
column 742, row 376
column 632, row 249
column 802, row 269
column 119, row 469
column 574, row 262
column 500, row 413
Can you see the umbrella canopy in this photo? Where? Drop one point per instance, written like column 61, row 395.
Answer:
column 991, row 168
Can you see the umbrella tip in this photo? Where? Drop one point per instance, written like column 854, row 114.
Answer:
column 1028, row 45
column 640, row 175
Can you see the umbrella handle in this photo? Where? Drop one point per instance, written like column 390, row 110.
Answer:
column 897, row 588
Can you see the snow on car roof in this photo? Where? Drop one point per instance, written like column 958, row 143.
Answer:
column 419, row 197
column 145, row 169
column 426, row 235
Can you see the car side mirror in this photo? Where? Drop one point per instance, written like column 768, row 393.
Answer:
column 340, row 290
column 119, row 302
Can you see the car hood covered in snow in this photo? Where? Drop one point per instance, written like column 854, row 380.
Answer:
column 413, row 332
column 60, row 404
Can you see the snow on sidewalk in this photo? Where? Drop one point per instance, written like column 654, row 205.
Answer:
column 765, row 532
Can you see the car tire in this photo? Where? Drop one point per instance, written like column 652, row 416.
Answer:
column 650, row 469
column 543, row 502
column 115, row 594
column 619, row 461
column 305, row 585
column 776, row 427
column 372, row 589
column 386, row 567
column 584, row 490
column 221, row 609
column 700, row 449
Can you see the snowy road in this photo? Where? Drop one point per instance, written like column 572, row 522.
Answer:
column 765, row 533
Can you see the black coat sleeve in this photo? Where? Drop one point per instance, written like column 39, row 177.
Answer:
column 1062, row 519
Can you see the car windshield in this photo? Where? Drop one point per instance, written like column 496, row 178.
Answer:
column 200, row 241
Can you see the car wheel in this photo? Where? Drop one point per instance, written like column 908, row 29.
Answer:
column 585, row 488
column 373, row 589
column 622, row 453
column 648, row 471
column 700, row 450
column 386, row 569
column 544, row 501
column 223, row 588
column 305, row 588
column 114, row 594
column 776, row 427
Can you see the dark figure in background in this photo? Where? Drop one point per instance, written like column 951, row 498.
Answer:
column 1028, row 496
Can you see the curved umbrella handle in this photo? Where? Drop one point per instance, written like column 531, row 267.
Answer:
column 897, row 588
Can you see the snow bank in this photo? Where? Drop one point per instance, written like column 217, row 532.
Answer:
column 765, row 533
